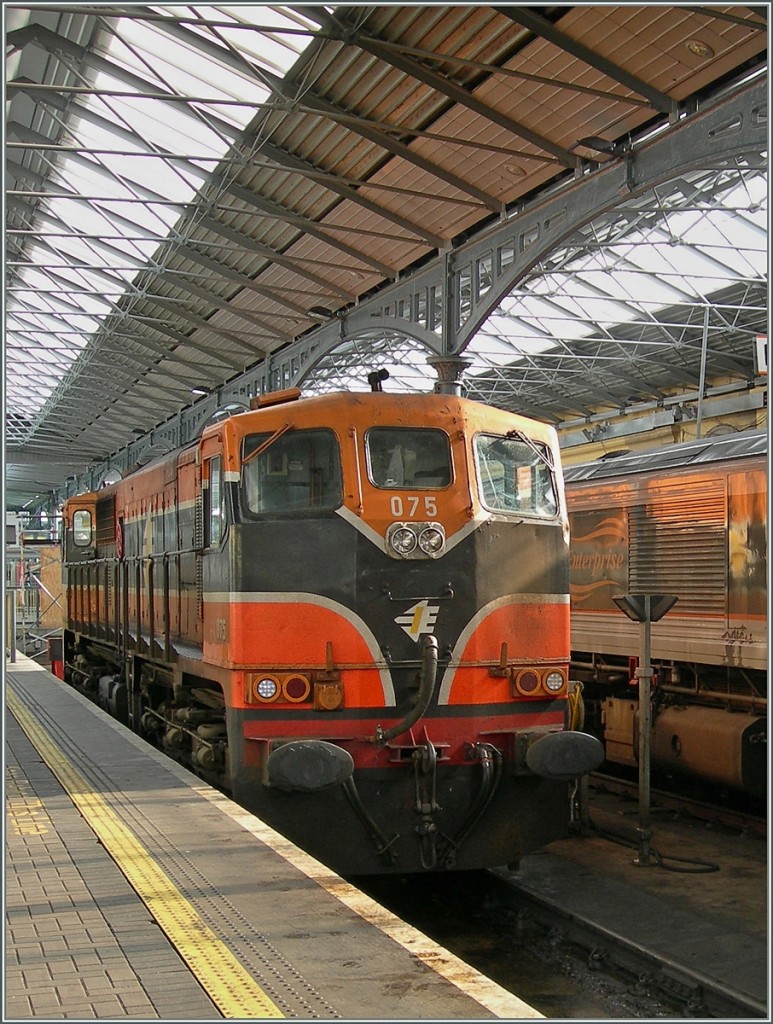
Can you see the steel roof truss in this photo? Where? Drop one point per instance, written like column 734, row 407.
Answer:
column 540, row 26
column 185, row 284
column 207, row 350
column 292, row 163
column 319, row 105
column 245, row 242
column 197, row 321
column 60, row 46
column 229, row 274
column 445, row 86
column 494, row 69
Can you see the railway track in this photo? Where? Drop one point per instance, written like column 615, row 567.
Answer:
column 648, row 978
column 715, row 813
column 564, row 965
column 567, row 963
column 488, row 921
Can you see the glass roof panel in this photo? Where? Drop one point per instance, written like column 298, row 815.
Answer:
column 676, row 256
column 236, row 26
column 150, row 50
column 141, row 147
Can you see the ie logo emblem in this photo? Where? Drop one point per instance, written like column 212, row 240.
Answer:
column 419, row 620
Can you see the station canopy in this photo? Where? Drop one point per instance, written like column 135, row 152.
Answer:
column 191, row 189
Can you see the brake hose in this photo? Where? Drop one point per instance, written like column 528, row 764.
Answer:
column 427, row 678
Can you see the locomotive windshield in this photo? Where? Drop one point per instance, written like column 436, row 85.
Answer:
column 515, row 476
column 408, row 457
column 298, row 471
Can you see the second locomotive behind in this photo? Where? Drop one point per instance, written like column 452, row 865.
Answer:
column 688, row 520
column 351, row 611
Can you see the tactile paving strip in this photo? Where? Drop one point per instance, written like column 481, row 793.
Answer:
column 282, row 981
column 226, row 981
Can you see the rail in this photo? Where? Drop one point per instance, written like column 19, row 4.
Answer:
column 712, row 813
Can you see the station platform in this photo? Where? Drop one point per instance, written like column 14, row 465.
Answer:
column 134, row 891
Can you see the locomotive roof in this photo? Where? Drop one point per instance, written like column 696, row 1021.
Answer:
column 704, row 450
column 430, row 401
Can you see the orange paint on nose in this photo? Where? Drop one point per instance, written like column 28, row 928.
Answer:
column 534, row 633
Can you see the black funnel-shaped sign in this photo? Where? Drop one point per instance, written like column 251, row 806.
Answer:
column 635, row 606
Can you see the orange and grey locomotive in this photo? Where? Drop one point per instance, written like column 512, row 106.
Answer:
column 351, row 611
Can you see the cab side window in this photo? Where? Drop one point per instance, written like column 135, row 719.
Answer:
column 297, row 471
column 214, row 504
column 515, row 476
column 81, row 528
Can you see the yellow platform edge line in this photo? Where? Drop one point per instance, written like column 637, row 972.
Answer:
column 223, row 978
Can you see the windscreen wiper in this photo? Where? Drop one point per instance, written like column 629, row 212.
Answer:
column 266, row 444
column 542, row 453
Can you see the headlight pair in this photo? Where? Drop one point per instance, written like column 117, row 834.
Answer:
column 415, row 540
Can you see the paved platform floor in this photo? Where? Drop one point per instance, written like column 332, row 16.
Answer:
column 134, row 891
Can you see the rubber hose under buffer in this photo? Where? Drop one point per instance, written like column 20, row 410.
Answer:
column 427, row 676
column 490, row 758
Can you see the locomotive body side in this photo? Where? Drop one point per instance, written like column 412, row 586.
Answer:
column 690, row 521
column 351, row 611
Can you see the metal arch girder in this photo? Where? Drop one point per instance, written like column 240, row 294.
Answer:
column 423, row 307
column 732, row 127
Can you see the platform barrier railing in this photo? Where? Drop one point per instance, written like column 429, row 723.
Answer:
column 10, row 625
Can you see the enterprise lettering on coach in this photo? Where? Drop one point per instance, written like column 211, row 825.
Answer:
column 597, row 562
column 419, row 619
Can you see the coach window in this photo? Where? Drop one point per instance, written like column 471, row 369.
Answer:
column 81, row 528
column 291, row 471
column 515, row 475
column 403, row 457
column 215, row 510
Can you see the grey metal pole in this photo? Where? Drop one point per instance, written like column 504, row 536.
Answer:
column 644, row 609
column 644, row 675
column 702, row 385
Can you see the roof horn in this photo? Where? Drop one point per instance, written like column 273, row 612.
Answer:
column 376, row 377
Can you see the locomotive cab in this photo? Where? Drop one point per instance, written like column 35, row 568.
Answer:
column 79, row 537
